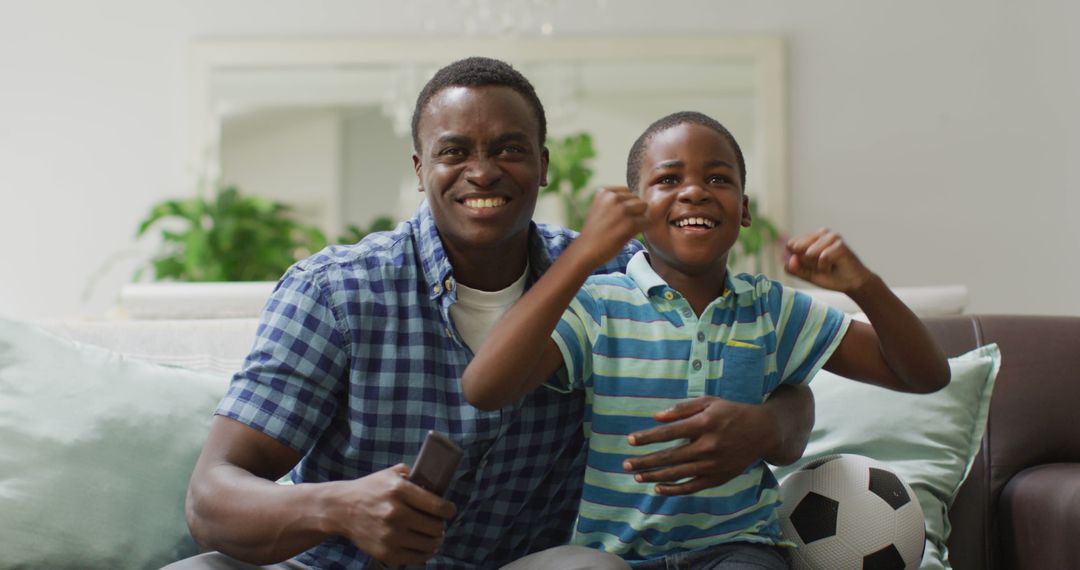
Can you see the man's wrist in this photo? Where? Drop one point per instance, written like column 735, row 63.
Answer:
column 322, row 508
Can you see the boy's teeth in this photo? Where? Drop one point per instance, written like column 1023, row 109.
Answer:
column 694, row 222
column 485, row 202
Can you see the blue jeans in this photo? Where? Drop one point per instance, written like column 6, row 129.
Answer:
column 733, row 556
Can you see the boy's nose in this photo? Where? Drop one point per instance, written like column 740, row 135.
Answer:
column 483, row 172
column 693, row 193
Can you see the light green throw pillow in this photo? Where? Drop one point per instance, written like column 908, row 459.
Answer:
column 930, row 440
column 95, row 453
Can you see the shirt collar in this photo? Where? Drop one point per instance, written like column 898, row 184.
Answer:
column 439, row 274
column 651, row 283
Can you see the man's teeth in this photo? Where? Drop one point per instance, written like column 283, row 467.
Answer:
column 485, row 202
column 695, row 222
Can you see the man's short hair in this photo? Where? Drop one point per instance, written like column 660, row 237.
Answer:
column 478, row 72
column 633, row 162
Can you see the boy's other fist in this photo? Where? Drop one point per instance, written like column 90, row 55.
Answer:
column 822, row 258
column 615, row 217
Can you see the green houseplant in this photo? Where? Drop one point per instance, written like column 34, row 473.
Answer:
column 227, row 237
column 355, row 233
column 569, row 173
column 568, row 176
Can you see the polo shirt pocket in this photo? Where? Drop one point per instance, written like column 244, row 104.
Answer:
column 744, row 373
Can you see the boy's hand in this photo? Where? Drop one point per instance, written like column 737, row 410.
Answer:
column 822, row 258
column 615, row 217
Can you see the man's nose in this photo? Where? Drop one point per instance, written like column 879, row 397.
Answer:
column 483, row 171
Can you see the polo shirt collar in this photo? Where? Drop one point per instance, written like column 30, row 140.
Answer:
column 652, row 284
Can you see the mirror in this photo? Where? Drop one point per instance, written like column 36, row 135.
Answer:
column 324, row 125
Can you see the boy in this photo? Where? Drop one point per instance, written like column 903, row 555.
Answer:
column 678, row 326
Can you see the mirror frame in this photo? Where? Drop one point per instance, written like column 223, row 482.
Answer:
column 765, row 52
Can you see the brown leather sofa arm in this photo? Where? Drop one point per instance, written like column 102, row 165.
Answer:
column 1040, row 523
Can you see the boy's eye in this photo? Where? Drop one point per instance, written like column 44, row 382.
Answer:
column 719, row 179
column 667, row 180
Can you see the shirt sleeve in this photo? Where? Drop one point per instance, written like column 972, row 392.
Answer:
column 574, row 335
column 807, row 332
column 293, row 378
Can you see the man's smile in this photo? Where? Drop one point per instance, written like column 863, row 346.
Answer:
column 483, row 203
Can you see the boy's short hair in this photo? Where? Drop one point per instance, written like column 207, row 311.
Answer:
column 478, row 72
column 633, row 162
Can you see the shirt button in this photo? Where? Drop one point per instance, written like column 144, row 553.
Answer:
column 696, row 364
column 687, row 313
column 701, row 337
column 449, row 285
column 669, row 295
column 447, row 331
column 437, row 289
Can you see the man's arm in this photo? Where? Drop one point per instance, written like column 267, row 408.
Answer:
column 791, row 419
column 723, row 438
column 235, row 506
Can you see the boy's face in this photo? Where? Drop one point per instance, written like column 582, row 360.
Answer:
column 690, row 180
column 481, row 165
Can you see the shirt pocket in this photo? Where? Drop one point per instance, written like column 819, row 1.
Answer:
column 744, row 373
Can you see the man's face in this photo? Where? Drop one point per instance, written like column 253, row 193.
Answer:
column 481, row 165
column 690, row 180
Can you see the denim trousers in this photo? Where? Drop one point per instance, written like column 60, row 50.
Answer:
column 733, row 556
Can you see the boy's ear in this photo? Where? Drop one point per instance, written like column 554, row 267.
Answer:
column 745, row 221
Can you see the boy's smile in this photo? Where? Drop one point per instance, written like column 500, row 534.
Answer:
column 690, row 180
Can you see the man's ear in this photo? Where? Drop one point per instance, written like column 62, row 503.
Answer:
column 745, row 222
column 543, row 166
column 416, row 167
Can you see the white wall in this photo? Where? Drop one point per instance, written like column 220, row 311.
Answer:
column 937, row 136
column 290, row 156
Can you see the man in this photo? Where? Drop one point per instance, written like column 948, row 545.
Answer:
column 360, row 352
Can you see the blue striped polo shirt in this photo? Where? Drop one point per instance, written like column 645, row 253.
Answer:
column 356, row 357
column 635, row 346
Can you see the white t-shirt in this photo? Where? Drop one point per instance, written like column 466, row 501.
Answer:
column 476, row 311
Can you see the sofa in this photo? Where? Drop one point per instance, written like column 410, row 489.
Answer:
column 1019, row 506
column 1014, row 500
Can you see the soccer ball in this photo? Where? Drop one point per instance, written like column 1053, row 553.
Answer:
column 849, row 511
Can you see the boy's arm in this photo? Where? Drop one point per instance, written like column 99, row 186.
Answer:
column 897, row 352
column 509, row 364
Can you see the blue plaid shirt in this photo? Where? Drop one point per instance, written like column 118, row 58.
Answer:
column 356, row 358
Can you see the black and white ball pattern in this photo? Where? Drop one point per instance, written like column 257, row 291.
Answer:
column 849, row 511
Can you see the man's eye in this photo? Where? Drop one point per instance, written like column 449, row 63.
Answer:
column 513, row 149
